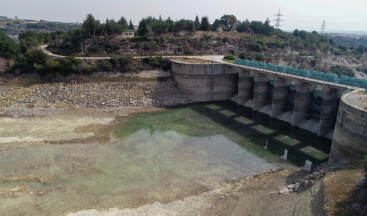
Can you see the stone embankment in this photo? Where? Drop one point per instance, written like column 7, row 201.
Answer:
column 94, row 94
column 307, row 181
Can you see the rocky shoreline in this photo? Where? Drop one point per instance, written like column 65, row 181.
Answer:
column 110, row 94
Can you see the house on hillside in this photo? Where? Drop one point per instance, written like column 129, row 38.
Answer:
column 128, row 33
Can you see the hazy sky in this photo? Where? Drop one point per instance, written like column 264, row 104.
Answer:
column 350, row 15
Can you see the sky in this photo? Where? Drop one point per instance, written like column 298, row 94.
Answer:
column 339, row 15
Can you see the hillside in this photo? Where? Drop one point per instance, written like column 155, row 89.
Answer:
column 252, row 40
column 14, row 27
column 307, row 50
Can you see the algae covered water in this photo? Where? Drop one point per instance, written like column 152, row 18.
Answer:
column 151, row 157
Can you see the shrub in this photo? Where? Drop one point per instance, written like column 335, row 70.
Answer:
column 245, row 55
column 9, row 49
column 230, row 57
column 207, row 37
column 110, row 48
column 158, row 62
column 225, row 39
column 123, row 63
column 32, row 61
column 255, row 47
column 313, row 62
column 259, row 57
column 342, row 70
column 104, row 65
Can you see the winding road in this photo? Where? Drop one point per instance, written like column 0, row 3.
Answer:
column 216, row 58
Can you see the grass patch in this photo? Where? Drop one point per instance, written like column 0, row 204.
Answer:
column 320, row 156
column 287, row 140
column 262, row 129
column 213, row 107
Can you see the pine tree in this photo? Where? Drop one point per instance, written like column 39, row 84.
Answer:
column 197, row 23
column 131, row 26
column 205, row 25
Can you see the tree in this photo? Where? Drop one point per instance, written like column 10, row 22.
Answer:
column 242, row 26
column 197, row 23
column 219, row 24
column 9, row 49
column 131, row 26
column 123, row 23
column 159, row 27
column 205, row 25
column 91, row 25
column 149, row 31
column 229, row 21
column 113, row 28
column 143, row 24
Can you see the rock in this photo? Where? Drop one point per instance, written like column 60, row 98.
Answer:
column 222, row 197
column 291, row 186
column 15, row 189
column 284, row 191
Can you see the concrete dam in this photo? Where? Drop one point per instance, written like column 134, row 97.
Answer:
column 310, row 104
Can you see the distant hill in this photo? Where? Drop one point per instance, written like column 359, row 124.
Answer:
column 14, row 27
column 349, row 40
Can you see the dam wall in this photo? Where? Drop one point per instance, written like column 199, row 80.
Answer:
column 350, row 136
column 205, row 82
column 301, row 103
column 315, row 106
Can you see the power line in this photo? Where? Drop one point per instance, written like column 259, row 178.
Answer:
column 278, row 19
column 360, row 23
column 331, row 17
column 323, row 27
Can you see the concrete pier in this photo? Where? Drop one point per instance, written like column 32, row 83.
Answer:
column 260, row 90
column 245, row 83
column 328, row 111
column 280, row 96
column 302, row 102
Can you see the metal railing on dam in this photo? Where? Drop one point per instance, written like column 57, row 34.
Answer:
column 342, row 81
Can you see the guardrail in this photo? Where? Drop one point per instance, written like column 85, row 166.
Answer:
column 333, row 78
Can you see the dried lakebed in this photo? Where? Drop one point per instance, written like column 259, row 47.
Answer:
column 172, row 158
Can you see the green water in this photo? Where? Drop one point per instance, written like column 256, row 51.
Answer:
column 152, row 157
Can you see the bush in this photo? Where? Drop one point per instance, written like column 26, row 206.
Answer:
column 110, row 48
column 123, row 63
column 104, row 65
column 207, row 37
column 229, row 57
column 259, row 57
column 313, row 62
column 9, row 49
column 255, row 47
column 342, row 70
column 32, row 61
column 246, row 55
column 158, row 62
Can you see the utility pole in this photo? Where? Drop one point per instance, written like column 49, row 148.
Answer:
column 323, row 27
column 278, row 19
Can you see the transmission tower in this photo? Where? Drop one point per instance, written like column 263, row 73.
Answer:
column 278, row 19
column 323, row 27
